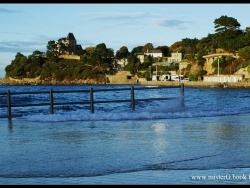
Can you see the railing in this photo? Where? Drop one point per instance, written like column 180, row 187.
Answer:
column 9, row 105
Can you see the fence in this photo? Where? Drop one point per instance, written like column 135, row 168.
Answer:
column 9, row 104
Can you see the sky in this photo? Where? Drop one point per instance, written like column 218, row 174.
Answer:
column 26, row 28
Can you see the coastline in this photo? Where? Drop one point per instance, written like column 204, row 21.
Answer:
column 198, row 84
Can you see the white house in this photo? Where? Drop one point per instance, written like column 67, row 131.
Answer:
column 154, row 53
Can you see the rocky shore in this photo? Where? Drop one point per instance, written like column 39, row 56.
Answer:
column 37, row 81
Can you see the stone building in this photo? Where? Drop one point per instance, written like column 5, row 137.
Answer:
column 68, row 45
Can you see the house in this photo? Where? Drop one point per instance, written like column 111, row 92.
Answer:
column 141, row 57
column 121, row 63
column 154, row 53
column 68, row 45
column 175, row 57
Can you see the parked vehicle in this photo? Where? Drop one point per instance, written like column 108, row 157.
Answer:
column 168, row 77
column 155, row 77
column 184, row 79
column 165, row 77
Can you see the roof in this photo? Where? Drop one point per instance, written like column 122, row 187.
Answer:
column 154, row 51
column 71, row 36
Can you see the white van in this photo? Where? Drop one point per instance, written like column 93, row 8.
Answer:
column 177, row 77
column 165, row 77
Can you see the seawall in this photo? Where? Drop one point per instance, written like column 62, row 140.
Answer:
column 198, row 84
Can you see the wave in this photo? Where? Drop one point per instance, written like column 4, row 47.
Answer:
column 132, row 115
column 176, row 107
column 167, row 166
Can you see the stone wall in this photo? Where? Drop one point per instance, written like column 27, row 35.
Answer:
column 122, row 77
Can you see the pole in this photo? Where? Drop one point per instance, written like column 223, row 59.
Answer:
column 132, row 98
column 91, row 100
column 51, row 102
column 8, row 104
column 156, row 70
column 150, row 72
column 218, row 69
column 182, row 89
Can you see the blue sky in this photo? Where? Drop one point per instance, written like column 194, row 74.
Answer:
column 28, row 27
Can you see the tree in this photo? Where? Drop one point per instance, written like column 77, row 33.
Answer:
column 122, row 53
column 244, row 53
column 225, row 23
column 19, row 56
column 133, row 64
column 90, row 50
column 205, row 45
column 51, row 46
column 61, row 47
column 38, row 53
column 103, row 54
column 227, row 31
column 244, row 39
column 176, row 47
column 200, row 60
column 147, row 47
column 165, row 50
column 189, row 48
column 137, row 49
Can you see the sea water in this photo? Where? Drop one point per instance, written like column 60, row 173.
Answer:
column 201, row 138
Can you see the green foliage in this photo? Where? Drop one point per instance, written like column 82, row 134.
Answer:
column 227, row 33
column 148, row 59
column 133, row 64
column 189, row 46
column 165, row 50
column 223, row 62
column 197, row 75
column 137, row 49
column 18, row 72
column 172, row 67
column 244, row 52
column 200, row 60
column 242, row 65
column 122, row 53
column 225, row 23
column 147, row 47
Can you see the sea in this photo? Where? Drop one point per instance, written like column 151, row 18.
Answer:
column 199, row 136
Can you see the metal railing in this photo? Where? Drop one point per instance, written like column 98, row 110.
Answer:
column 9, row 103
